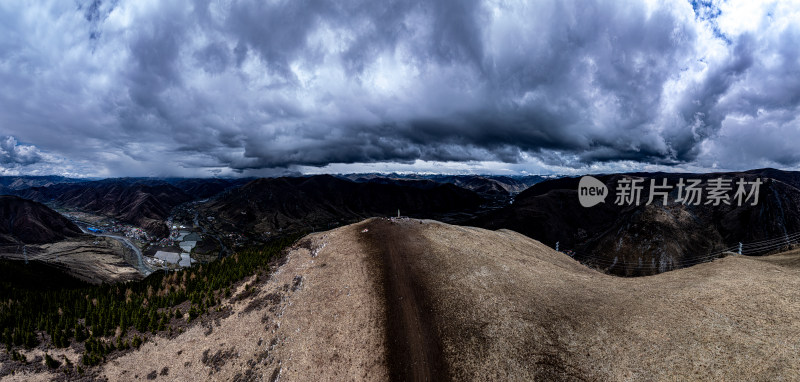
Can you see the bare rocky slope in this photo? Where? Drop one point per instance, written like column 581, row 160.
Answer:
column 422, row 300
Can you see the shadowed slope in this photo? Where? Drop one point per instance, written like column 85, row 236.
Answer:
column 311, row 203
column 640, row 240
column 24, row 221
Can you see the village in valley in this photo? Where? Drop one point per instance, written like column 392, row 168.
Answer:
column 187, row 243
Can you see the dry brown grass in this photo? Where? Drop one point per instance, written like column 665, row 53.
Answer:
column 317, row 317
column 509, row 308
column 502, row 307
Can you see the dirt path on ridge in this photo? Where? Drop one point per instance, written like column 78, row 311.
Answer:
column 414, row 351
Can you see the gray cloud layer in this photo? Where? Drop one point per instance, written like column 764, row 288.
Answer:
column 179, row 88
column 13, row 154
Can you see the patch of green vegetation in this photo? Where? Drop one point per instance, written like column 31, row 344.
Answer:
column 17, row 356
column 91, row 313
column 50, row 362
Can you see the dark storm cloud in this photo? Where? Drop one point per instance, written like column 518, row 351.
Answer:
column 140, row 88
column 95, row 12
column 538, row 96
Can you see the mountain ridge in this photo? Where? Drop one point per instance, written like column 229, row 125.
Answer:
column 29, row 222
column 646, row 239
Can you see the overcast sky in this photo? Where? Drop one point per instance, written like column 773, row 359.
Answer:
column 204, row 88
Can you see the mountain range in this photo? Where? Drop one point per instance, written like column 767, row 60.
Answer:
column 308, row 203
column 621, row 239
column 647, row 239
column 489, row 186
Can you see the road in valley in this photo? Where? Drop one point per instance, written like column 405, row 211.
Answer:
column 142, row 266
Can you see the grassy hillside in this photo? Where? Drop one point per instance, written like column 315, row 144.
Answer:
column 62, row 312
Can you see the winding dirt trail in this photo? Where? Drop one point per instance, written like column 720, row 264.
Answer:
column 414, row 349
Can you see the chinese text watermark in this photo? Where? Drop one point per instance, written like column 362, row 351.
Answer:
column 717, row 191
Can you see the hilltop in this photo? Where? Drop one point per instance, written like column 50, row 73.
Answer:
column 418, row 299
